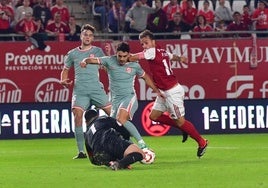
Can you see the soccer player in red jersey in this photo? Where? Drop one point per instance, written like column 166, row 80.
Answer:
column 162, row 74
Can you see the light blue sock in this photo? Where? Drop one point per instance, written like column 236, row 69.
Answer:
column 133, row 131
column 79, row 137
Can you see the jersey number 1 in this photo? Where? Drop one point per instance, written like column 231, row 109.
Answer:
column 167, row 67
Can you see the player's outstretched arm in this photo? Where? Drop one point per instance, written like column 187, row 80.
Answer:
column 89, row 60
column 136, row 57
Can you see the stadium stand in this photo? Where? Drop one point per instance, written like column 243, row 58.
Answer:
column 82, row 9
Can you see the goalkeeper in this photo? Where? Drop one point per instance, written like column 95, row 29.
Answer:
column 108, row 144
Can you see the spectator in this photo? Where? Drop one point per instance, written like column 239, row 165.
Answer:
column 157, row 22
column 208, row 13
column 116, row 17
column 189, row 14
column 246, row 17
column 202, row 26
column 42, row 12
column 223, row 13
column 238, row 25
column 40, row 29
column 75, row 30
column 137, row 18
column 49, row 3
column 102, row 7
column 221, row 29
column 6, row 17
column 56, row 27
column 27, row 27
column 8, row 9
column 171, row 8
column 62, row 9
column 260, row 16
column 176, row 26
column 21, row 11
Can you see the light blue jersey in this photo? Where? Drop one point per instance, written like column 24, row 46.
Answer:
column 121, row 77
column 121, row 83
column 86, row 79
column 88, row 90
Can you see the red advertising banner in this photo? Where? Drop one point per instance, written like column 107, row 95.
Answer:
column 216, row 69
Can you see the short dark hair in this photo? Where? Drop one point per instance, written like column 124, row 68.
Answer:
column 236, row 13
column 91, row 115
column 88, row 27
column 123, row 46
column 204, row 18
column 146, row 33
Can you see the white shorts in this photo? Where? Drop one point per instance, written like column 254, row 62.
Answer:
column 173, row 103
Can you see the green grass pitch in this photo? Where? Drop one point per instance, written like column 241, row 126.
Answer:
column 231, row 161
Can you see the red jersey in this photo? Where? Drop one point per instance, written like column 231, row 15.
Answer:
column 64, row 12
column 262, row 15
column 170, row 10
column 5, row 19
column 209, row 15
column 189, row 15
column 246, row 18
column 206, row 28
column 25, row 25
column 160, row 67
column 58, row 27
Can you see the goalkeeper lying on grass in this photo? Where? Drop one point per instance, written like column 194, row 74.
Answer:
column 108, row 144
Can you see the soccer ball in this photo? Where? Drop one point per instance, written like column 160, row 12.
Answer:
column 149, row 156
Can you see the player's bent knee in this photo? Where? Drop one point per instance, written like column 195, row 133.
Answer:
column 133, row 148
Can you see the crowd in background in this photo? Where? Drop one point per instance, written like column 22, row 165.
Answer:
column 38, row 19
column 51, row 19
column 192, row 16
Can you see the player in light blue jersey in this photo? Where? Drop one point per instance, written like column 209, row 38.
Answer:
column 122, row 76
column 88, row 90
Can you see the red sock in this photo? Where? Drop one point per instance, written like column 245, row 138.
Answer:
column 189, row 128
column 165, row 119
